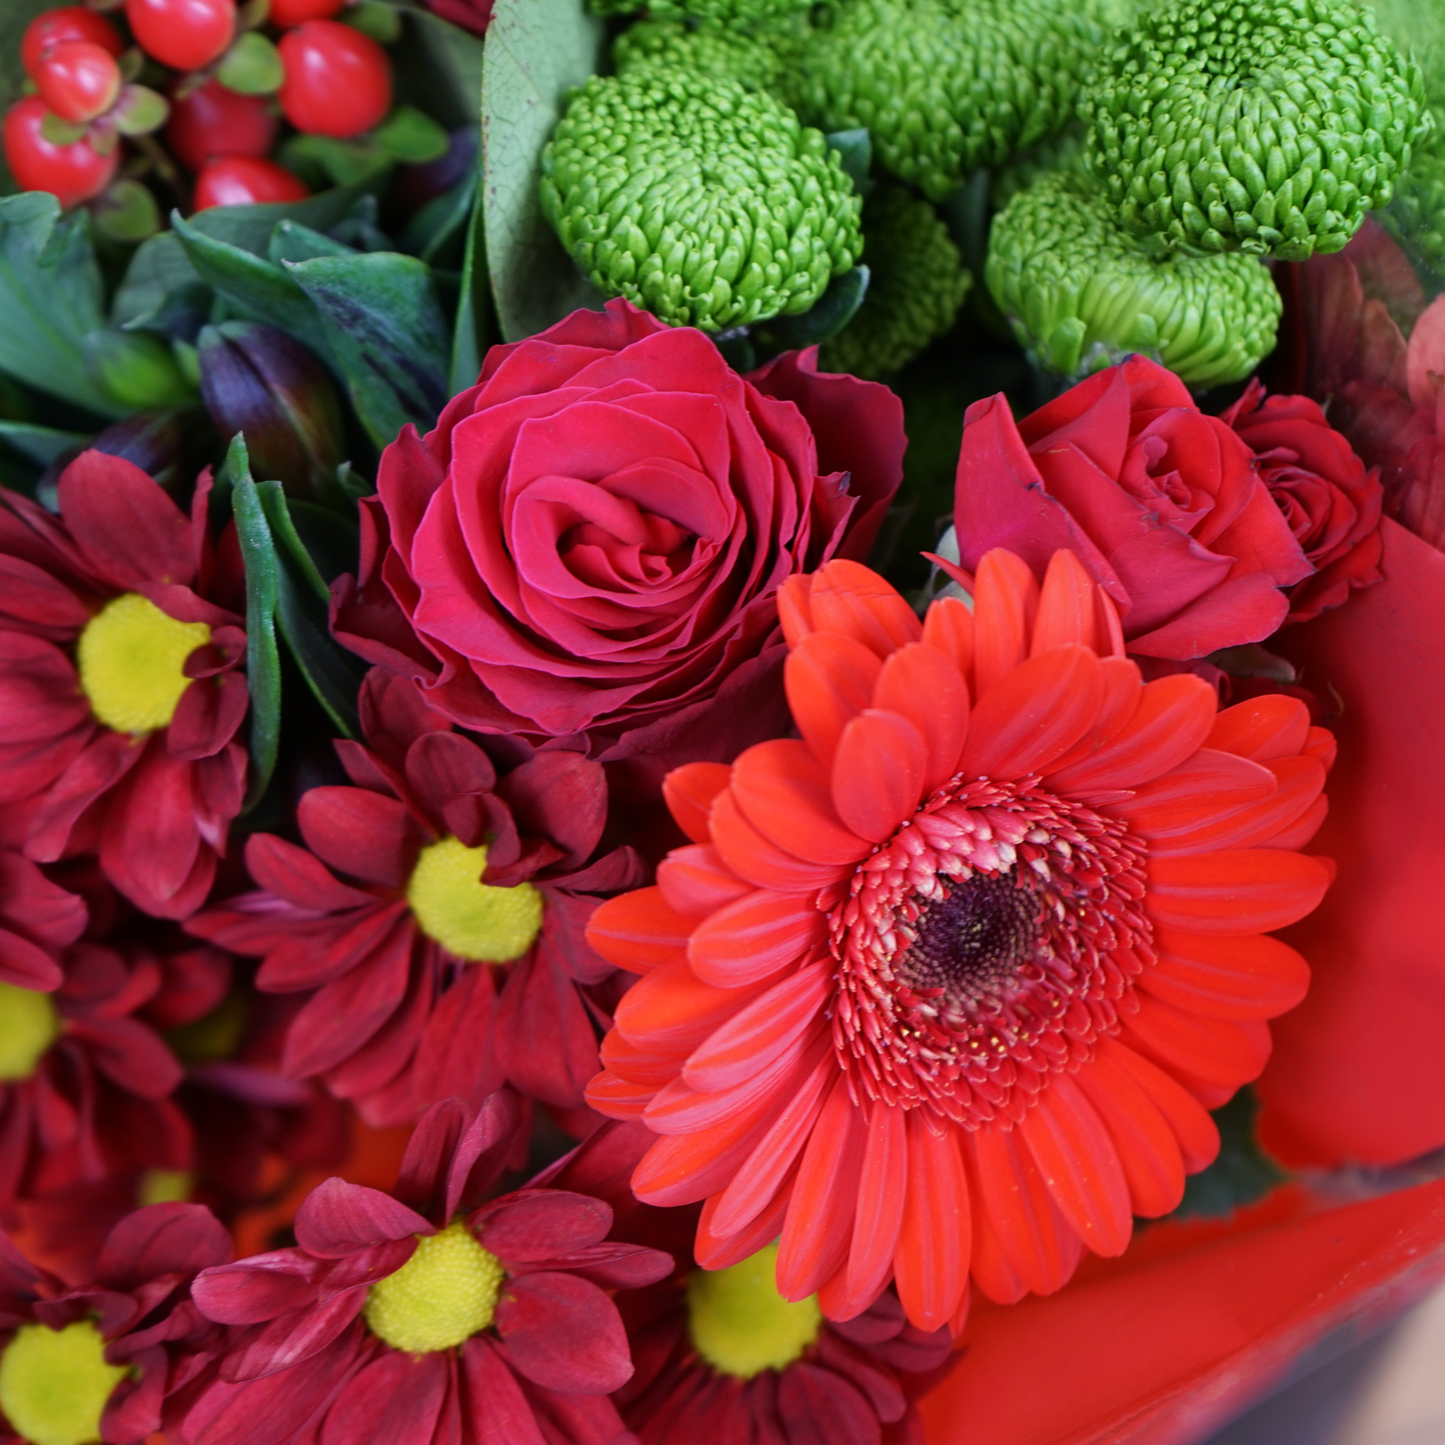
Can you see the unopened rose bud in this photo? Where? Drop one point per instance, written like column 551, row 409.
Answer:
column 257, row 380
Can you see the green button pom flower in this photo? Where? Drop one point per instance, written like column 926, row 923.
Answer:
column 764, row 58
column 726, row 12
column 1266, row 126
column 918, row 282
column 946, row 86
column 1081, row 294
column 707, row 204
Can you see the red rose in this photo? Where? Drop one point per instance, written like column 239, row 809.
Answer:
column 1332, row 504
column 1159, row 501
column 589, row 545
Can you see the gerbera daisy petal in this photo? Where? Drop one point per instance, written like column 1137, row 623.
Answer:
column 1298, row 785
column 639, row 931
column 921, row 683
column 1236, row 890
column 1262, row 728
column 1034, row 714
column 672, row 1010
column 683, row 1168
column 795, row 608
column 878, row 1216
column 1005, row 600
column 935, row 1234
column 753, row 937
column 829, row 680
column 1068, row 608
column 1226, row 978
column 847, row 597
column 1148, row 1151
column 785, row 793
column 1225, row 1052
column 1300, row 833
column 695, row 881
column 1194, row 793
column 689, row 791
column 714, row 1249
column 616, row 1097
column 819, row 1225
column 1196, row 1131
column 1171, row 720
column 1034, row 1240
column 948, row 626
column 878, row 773
column 988, row 1268
column 755, row 1186
column 1080, row 1165
column 759, row 859
column 757, row 1034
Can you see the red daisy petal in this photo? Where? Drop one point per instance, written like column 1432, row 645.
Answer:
column 878, row 773
column 752, row 938
column 829, row 680
column 1262, row 728
column 695, row 881
column 846, row 597
column 638, row 931
column 931, row 1262
column 1006, row 598
column 922, row 684
column 688, row 792
column 786, row 793
column 1235, row 891
column 756, row 858
column 1226, row 978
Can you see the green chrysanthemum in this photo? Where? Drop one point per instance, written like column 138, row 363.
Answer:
column 1062, row 152
column 1081, row 294
column 706, row 203
column 764, row 58
column 726, row 12
column 917, row 285
column 1266, row 126
column 946, row 86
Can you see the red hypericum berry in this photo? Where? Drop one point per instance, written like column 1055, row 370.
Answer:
column 72, row 22
column 184, row 34
column 71, row 174
column 287, row 13
column 78, row 80
column 214, row 121
column 338, row 81
column 246, row 181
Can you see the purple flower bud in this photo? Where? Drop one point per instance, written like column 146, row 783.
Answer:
column 258, row 380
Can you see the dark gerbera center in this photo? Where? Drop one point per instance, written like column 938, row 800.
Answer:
column 985, row 946
column 970, row 942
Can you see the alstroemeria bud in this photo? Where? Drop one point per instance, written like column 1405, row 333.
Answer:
column 258, row 380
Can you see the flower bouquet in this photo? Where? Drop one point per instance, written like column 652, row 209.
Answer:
column 718, row 718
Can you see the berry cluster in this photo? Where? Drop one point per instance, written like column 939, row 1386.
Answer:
column 219, row 88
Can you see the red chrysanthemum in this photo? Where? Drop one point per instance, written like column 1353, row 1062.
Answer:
column 86, row 1081
column 37, row 919
column 951, row 980
column 113, row 1359
column 423, row 1314
column 120, row 688
column 450, row 869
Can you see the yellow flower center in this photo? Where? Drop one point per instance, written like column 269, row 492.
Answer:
column 130, row 657
column 165, row 1186
column 444, row 1294
column 28, row 1026
column 741, row 1325
column 469, row 918
column 54, row 1383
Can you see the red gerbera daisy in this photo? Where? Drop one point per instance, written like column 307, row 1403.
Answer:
column 111, row 1360
column 421, row 1315
column 120, row 693
column 954, row 977
column 85, row 1083
column 446, row 869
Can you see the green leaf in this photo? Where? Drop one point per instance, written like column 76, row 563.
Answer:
column 536, row 51
column 137, row 368
column 41, row 444
column 250, row 227
column 126, row 211
column 832, row 311
column 386, row 335
column 302, row 599
column 1241, row 1174
column 291, row 241
column 469, row 338
column 159, row 270
column 372, row 18
column 439, row 69
column 324, row 160
column 252, row 66
column 50, row 300
column 257, row 288
column 855, row 154
column 263, row 657
column 411, row 136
